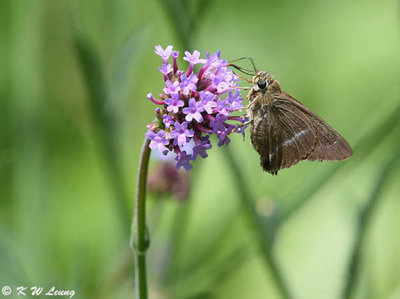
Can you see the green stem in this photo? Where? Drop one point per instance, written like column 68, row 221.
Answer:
column 364, row 220
column 263, row 236
column 139, row 237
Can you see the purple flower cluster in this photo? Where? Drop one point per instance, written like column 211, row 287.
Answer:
column 192, row 108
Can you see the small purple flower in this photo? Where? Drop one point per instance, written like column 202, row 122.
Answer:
column 168, row 120
column 175, row 55
column 207, row 100
column 210, row 64
column 181, row 133
column 183, row 160
column 165, row 69
column 220, row 77
column 171, row 87
column 188, row 83
column 179, row 73
column 223, row 137
column 240, row 129
column 215, row 59
column 201, row 147
column 164, row 54
column 158, row 141
column 235, row 100
column 223, row 107
column 218, row 123
column 193, row 58
column 193, row 111
column 174, row 103
column 221, row 81
column 155, row 101
column 158, row 113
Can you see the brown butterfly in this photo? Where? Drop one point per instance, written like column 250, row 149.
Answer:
column 283, row 131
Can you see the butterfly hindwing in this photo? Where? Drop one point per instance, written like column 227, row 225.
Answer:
column 284, row 136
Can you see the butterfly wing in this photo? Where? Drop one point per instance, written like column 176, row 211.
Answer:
column 329, row 145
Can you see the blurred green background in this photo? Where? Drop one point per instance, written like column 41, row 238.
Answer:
column 73, row 82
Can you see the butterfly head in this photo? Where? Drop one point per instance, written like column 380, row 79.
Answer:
column 262, row 80
column 264, row 86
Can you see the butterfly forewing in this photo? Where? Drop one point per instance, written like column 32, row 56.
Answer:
column 330, row 145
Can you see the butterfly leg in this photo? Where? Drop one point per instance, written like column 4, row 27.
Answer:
column 238, row 128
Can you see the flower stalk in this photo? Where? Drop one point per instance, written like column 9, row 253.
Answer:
column 139, row 236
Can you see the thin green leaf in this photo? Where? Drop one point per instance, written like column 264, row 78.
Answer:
column 214, row 275
column 123, row 65
column 258, row 227
column 364, row 220
column 103, row 121
column 181, row 19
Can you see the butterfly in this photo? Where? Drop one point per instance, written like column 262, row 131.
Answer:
column 283, row 131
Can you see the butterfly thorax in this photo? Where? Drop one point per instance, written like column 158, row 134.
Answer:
column 261, row 96
column 263, row 90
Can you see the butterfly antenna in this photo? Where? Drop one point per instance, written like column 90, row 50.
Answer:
column 248, row 58
column 243, row 70
column 243, row 78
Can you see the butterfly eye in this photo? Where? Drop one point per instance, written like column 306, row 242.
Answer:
column 261, row 83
